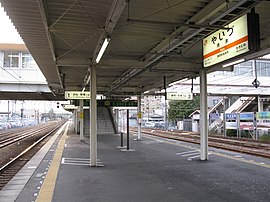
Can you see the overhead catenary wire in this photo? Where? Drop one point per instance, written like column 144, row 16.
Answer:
column 230, row 80
column 20, row 81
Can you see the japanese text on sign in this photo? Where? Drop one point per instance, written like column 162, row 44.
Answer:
column 231, row 116
column 247, row 116
column 179, row 96
column 225, row 44
column 263, row 115
column 77, row 95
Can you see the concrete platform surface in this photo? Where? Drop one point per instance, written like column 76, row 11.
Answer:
column 157, row 170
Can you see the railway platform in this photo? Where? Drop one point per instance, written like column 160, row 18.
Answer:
column 154, row 169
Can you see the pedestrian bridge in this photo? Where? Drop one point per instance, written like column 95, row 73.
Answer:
column 20, row 76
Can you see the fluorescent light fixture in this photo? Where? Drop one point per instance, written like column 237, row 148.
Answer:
column 179, row 81
column 146, row 92
column 102, row 50
column 173, row 83
column 83, row 89
column 233, row 63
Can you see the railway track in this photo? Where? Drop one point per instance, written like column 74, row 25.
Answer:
column 34, row 139
column 8, row 139
column 233, row 144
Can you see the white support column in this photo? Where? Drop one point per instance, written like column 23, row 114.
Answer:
column 75, row 119
column 139, row 117
column 81, row 121
column 260, row 109
column 203, row 115
column 117, row 120
column 260, row 104
column 93, row 117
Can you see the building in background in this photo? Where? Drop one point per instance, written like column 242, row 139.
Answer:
column 152, row 106
column 18, row 66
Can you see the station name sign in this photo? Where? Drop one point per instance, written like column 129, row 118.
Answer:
column 263, row 115
column 67, row 106
column 77, row 95
column 109, row 103
column 247, row 116
column 231, row 116
column 241, row 36
column 179, row 96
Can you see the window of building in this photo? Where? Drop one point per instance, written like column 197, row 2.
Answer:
column 18, row 60
column 244, row 69
column 263, row 68
column 11, row 59
column 26, row 60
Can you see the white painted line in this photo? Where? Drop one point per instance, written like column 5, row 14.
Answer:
column 193, row 157
column 32, row 167
column 80, row 164
column 77, row 164
column 190, row 154
column 186, row 152
column 238, row 156
column 76, row 159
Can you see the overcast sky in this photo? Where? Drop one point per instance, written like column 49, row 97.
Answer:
column 8, row 33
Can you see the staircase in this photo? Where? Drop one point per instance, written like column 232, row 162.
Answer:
column 240, row 105
column 237, row 107
column 104, row 121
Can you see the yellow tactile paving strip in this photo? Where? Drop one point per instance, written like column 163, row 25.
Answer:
column 47, row 189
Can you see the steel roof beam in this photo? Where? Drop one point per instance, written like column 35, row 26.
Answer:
column 49, row 38
column 114, row 14
column 187, row 36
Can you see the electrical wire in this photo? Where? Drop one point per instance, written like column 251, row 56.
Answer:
column 230, row 79
column 20, row 81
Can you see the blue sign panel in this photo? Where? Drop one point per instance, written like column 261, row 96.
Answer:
column 231, row 116
column 247, row 116
column 263, row 115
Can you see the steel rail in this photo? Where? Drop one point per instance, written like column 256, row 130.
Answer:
column 17, row 137
column 29, row 148
column 243, row 146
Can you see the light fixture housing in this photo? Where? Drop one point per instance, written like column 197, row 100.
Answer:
column 233, row 63
column 102, row 50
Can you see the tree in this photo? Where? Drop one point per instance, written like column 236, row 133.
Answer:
column 182, row 108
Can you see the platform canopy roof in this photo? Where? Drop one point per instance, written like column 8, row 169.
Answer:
column 149, row 39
